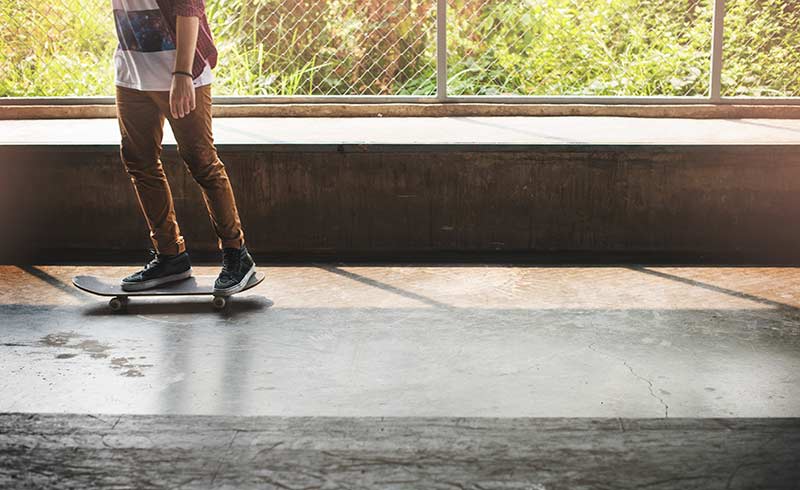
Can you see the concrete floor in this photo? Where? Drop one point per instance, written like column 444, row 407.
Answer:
column 428, row 341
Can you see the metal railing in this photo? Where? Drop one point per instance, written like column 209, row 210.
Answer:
column 433, row 51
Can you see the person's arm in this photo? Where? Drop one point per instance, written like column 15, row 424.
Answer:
column 181, row 100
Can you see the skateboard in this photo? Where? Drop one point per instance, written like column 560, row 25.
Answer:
column 194, row 286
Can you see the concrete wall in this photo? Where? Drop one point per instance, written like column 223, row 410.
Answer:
column 388, row 202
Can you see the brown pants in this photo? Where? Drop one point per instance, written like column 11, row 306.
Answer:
column 141, row 117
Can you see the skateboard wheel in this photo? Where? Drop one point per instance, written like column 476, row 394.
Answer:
column 118, row 304
column 219, row 302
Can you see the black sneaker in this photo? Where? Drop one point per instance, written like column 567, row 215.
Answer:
column 237, row 268
column 161, row 269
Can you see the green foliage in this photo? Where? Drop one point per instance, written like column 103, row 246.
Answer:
column 762, row 39
column 387, row 47
column 563, row 47
column 289, row 47
column 56, row 48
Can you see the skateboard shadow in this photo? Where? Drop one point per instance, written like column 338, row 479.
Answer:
column 239, row 305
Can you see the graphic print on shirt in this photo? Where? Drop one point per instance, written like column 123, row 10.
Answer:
column 145, row 54
column 142, row 30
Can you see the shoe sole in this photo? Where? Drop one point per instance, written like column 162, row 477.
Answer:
column 237, row 287
column 159, row 281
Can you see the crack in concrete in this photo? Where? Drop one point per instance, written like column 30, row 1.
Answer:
column 97, row 418
column 266, row 450
column 637, row 376
column 649, row 387
column 743, row 462
column 675, row 480
column 222, row 462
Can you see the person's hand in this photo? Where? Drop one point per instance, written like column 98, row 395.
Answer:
column 181, row 96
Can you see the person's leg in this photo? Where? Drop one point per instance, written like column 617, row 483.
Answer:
column 141, row 126
column 196, row 147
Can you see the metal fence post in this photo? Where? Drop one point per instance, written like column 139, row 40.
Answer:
column 716, row 51
column 441, row 50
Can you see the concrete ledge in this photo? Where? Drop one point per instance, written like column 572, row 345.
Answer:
column 429, row 133
column 698, row 111
column 728, row 201
column 43, row 450
column 392, row 188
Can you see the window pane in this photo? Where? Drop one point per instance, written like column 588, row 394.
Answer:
column 762, row 48
column 579, row 47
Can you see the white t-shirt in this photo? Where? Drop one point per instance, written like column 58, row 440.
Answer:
column 145, row 55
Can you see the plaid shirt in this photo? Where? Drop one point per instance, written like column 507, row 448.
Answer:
column 206, row 51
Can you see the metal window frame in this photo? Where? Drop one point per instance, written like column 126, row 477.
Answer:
column 717, row 40
column 442, row 97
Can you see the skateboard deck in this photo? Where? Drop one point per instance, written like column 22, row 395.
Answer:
column 194, row 286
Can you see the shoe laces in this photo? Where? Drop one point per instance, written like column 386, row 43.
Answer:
column 154, row 260
column 230, row 260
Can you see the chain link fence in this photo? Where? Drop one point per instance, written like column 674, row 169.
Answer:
column 388, row 47
column 579, row 47
column 337, row 47
column 761, row 51
column 56, row 48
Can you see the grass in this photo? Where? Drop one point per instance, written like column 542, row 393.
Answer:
column 387, row 47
